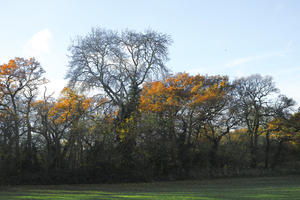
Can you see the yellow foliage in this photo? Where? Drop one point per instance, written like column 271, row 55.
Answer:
column 283, row 129
column 126, row 127
column 69, row 105
column 181, row 90
column 9, row 68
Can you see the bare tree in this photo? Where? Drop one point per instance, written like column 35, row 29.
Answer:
column 118, row 64
column 253, row 96
column 221, row 118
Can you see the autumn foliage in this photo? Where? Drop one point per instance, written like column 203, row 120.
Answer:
column 139, row 122
column 181, row 91
column 285, row 130
column 69, row 106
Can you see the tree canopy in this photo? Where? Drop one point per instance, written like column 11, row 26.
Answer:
column 140, row 122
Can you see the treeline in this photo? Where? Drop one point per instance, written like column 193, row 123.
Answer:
column 142, row 123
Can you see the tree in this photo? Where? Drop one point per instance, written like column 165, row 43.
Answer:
column 67, row 112
column 284, row 129
column 60, row 122
column 279, row 112
column 118, row 64
column 185, row 104
column 219, row 119
column 253, row 96
column 19, row 82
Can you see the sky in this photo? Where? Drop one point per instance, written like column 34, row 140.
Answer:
column 234, row 38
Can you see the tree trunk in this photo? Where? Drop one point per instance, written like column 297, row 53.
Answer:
column 213, row 154
column 29, row 142
column 267, row 150
column 277, row 155
column 253, row 150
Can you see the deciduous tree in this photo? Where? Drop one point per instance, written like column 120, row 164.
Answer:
column 254, row 100
column 19, row 82
column 118, row 64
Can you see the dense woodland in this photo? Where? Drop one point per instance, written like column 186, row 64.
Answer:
column 125, row 117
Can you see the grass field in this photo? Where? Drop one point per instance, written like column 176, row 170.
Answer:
column 287, row 187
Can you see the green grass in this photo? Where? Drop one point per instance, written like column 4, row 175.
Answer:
column 276, row 188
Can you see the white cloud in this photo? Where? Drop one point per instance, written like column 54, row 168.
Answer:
column 38, row 45
column 55, row 86
column 244, row 60
column 240, row 61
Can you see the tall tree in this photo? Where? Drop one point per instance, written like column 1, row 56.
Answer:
column 59, row 125
column 284, row 129
column 19, row 82
column 281, row 110
column 185, row 103
column 253, row 96
column 118, row 64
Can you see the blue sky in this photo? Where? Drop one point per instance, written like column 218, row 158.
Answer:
column 235, row 38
